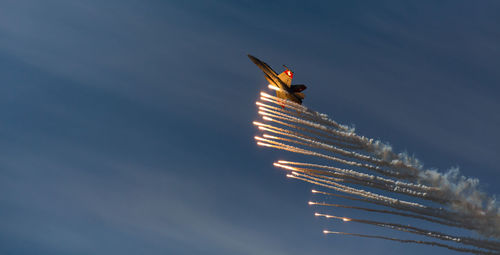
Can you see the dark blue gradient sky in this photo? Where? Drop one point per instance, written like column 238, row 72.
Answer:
column 126, row 125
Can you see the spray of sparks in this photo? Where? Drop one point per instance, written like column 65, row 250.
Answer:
column 358, row 163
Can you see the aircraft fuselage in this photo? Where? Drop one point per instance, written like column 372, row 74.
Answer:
column 272, row 77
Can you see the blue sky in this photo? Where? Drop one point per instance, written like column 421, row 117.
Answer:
column 126, row 125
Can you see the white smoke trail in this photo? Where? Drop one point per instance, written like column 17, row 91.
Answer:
column 355, row 179
column 342, row 134
column 366, row 180
column 384, row 151
column 310, row 131
column 347, row 153
column 299, row 114
column 420, row 187
column 333, row 158
column 409, row 215
column 348, row 137
column 359, row 192
column 398, row 204
column 484, row 244
column 392, row 202
column 313, row 144
column 474, row 251
column 450, row 218
column 465, row 197
column 318, row 116
column 338, row 141
column 299, row 136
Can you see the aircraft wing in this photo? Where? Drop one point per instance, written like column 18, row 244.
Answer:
column 263, row 66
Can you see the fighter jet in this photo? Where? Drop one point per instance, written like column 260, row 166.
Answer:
column 282, row 82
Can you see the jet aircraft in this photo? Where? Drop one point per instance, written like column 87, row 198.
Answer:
column 282, row 82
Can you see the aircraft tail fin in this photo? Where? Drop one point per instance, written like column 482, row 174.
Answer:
column 286, row 77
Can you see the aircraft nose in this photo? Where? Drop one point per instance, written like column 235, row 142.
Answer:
column 254, row 59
